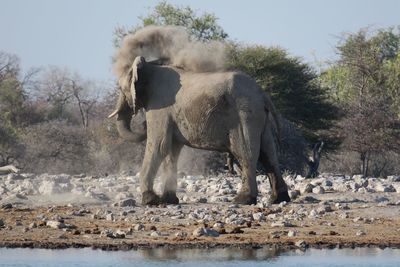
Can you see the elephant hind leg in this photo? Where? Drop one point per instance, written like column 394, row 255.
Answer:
column 246, row 149
column 269, row 159
column 169, row 176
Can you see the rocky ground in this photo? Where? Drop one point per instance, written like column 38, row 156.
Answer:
column 58, row 211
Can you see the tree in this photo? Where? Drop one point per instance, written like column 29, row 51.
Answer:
column 364, row 81
column 15, row 111
column 203, row 27
column 67, row 93
column 293, row 86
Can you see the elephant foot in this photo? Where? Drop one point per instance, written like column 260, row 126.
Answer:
column 150, row 198
column 169, row 198
column 282, row 196
column 245, row 199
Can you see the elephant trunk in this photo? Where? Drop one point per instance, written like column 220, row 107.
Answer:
column 124, row 115
column 124, row 129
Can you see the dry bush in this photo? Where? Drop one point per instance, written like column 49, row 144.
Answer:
column 55, row 147
column 112, row 154
column 347, row 162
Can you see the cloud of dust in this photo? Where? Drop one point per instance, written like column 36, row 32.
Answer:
column 172, row 44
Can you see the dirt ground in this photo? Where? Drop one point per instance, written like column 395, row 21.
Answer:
column 357, row 224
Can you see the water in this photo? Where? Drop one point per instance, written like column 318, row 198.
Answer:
column 366, row 257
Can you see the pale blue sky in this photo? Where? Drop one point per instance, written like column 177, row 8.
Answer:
column 78, row 33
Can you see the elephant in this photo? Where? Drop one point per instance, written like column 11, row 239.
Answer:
column 224, row 111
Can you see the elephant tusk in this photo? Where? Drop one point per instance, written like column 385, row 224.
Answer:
column 113, row 114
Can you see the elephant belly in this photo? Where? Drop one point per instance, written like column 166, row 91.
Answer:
column 206, row 123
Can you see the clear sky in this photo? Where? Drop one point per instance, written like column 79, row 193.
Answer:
column 78, row 33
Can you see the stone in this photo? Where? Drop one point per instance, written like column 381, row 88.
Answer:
column 55, row 224
column 1, row 223
column 360, row 233
column 293, row 194
column 306, row 188
column 211, row 232
column 384, row 188
column 107, row 233
column 202, row 200
column 32, row 225
column 6, row 206
column 313, row 214
column 110, row 217
column 119, row 234
column 259, row 216
column 198, row 232
column 381, row 199
column 301, row 244
column 138, row 227
column 318, row 190
column 291, row 234
column 281, row 224
column 181, row 234
column 128, row 202
column 218, row 225
column 155, row 234
column 310, row 199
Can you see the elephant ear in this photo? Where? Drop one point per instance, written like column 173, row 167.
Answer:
column 128, row 82
column 136, row 66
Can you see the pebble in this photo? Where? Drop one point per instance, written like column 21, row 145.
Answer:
column 6, row 206
column 318, row 190
column 201, row 231
column 259, row 216
column 281, row 224
column 360, row 233
column 109, row 233
column 291, row 234
column 181, row 234
column 129, row 202
column 155, row 234
column 301, row 244
column 110, row 217
column 1, row 223
column 55, row 224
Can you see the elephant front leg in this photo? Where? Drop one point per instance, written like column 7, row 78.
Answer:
column 169, row 176
column 151, row 163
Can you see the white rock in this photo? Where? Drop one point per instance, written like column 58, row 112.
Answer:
column 301, row 244
column 110, row 217
column 360, row 233
column 198, row 232
column 291, row 233
column 259, row 216
column 181, row 234
column 306, row 188
column 55, row 224
column 281, row 224
column 155, row 234
column 318, row 190
column 139, row 227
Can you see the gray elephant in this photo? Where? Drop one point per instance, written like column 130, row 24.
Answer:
column 221, row 111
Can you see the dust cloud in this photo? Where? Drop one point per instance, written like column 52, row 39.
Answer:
column 171, row 44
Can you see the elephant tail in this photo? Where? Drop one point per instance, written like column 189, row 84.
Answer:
column 274, row 118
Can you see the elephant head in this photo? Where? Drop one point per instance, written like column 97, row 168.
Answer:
column 128, row 103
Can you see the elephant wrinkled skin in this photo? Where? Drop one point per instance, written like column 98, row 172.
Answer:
column 221, row 111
